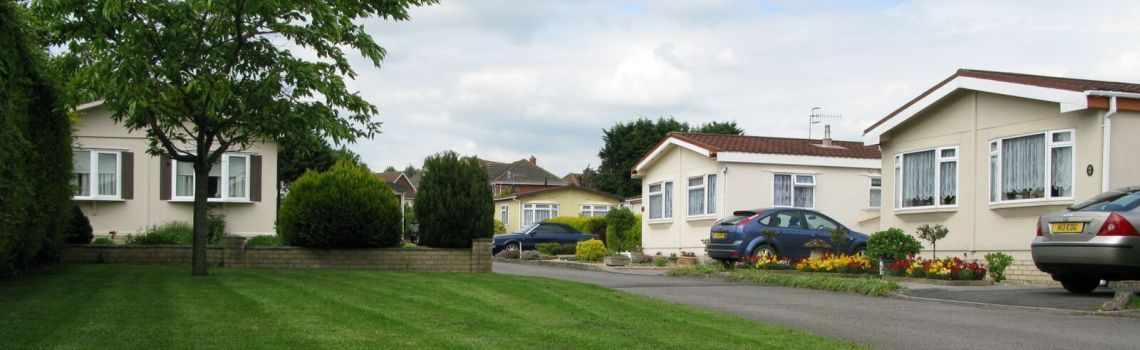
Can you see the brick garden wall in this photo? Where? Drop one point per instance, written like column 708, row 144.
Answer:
column 1026, row 272
column 234, row 253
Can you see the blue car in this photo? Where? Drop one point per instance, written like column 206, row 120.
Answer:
column 741, row 235
column 532, row 235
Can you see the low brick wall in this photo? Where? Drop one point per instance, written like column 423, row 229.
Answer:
column 234, row 253
column 1026, row 272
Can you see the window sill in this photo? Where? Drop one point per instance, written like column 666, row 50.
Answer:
column 925, row 210
column 872, row 210
column 191, row 200
column 90, row 199
column 1031, row 203
column 705, row 217
column 660, row 221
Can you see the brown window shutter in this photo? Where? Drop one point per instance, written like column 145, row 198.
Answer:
column 164, row 174
column 255, row 178
column 128, row 174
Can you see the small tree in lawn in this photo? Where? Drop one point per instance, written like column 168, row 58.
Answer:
column 932, row 234
column 453, row 204
column 619, row 223
column 205, row 77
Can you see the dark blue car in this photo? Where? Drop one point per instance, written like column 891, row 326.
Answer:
column 532, row 235
column 741, row 234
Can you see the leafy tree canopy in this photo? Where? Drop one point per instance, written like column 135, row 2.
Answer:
column 625, row 143
column 390, row 169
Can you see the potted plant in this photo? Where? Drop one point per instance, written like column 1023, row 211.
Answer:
column 687, row 258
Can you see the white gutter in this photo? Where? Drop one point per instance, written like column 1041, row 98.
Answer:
column 1106, row 147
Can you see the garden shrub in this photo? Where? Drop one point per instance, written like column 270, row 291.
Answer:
column 215, row 228
column 590, row 250
column 453, row 202
column 263, row 241
column 530, row 255
column 102, row 241
column 170, row 233
column 892, row 244
column 80, row 230
column 620, row 225
column 997, row 262
column 499, row 227
column 660, row 262
column 549, row 248
column 589, row 224
column 344, row 207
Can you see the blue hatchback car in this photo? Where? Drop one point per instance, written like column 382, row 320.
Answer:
column 741, row 234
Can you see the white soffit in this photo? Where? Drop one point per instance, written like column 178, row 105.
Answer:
column 639, row 168
column 1068, row 100
column 787, row 159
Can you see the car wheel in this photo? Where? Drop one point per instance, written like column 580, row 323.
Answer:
column 511, row 247
column 1080, row 284
column 763, row 251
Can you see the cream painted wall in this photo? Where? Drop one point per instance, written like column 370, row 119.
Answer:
column 841, row 193
column 569, row 200
column 970, row 120
column 1125, row 142
column 97, row 130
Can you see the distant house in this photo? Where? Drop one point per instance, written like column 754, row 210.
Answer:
column 519, row 177
column 401, row 184
column 121, row 188
column 520, row 209
column 574, row 179
column 985, row 153
column 689, row 180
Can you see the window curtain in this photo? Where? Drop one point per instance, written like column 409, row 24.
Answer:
column 876, row 198
column 697, row 201
column 107, row 170
column 782, row 190
column 1062, row 172
column 1023, row 167
column 82, row 173
column 918, row 179
column 655, row 206
column 237, row 177
column 184, row 180
column 712, row 194
column 995, row 182
column 949, row 182
column 805, row 197
column 668, row 205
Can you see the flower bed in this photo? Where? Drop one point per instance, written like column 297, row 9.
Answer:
column 768, row 263
column 836, row 264
column 942, row 269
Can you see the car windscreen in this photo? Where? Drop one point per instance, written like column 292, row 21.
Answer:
column 1110, row 201
column 736, row 217
column 527, row 228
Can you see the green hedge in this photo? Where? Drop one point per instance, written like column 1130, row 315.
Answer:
column 263, row 241
column 592, row 225
column 35, row 151
column 453, row 202
column 170, row 233
column 344, row 207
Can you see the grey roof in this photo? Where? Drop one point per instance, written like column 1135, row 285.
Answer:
column 520, row 172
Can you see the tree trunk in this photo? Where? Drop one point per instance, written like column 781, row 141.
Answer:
column 201, row 194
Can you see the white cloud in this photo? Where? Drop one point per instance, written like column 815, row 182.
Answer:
column 647, row 78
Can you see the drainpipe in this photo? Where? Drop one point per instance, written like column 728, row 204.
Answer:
column 1106, row 147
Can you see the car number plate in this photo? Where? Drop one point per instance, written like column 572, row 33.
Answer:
column 1068, row 227
column 718, row 235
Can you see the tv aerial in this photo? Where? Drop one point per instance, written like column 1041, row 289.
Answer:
column 816, row 117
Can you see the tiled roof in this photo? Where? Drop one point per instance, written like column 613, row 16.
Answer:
column 390, row 176
column 778, row 145
column 1025, row 79
column 520, row 172
column 561, row 188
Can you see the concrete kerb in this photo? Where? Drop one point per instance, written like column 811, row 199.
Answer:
column 571, row 265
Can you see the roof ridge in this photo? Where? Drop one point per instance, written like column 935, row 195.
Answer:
column 762, row 136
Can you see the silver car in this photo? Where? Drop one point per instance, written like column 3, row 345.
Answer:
column 1091, row 241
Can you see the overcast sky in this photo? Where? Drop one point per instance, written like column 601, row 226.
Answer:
column 505, row 80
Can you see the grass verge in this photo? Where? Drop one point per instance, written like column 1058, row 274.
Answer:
column 162, row 307
column 866, row 286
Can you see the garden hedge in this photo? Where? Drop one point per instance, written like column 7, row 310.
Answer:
column 453, row 202
column 344, row 207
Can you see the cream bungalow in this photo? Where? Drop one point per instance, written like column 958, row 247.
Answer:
column 985, row 153
column 690, row 180
column 121, row 188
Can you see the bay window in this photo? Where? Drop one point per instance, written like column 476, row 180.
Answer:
column 927, row 178
column 702, row 195
column 793, row 190
column 533, row 213
column 1035, row 166
column 661, row 200
column 228, row 179
column 97, row 174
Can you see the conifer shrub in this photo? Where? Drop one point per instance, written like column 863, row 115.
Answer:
column 453, row 202
column 620, row 225
column 344, row 207
column 80, row 231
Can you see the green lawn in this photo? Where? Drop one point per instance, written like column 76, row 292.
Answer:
column 116, row 306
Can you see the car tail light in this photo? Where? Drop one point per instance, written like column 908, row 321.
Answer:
column 1039, row 232
column 1116, row 225
column 750, row 219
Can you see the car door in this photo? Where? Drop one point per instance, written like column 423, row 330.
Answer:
column 792, row 232
column 545, row 233
column 821, row 226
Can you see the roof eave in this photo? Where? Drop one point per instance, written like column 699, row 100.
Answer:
column 670, row 140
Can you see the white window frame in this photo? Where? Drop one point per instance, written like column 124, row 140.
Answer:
column 666, row 199
column 530, row 210
column 795, row 183
column 591, row 210
column 995, row 149
column 938, row 160
column 505, row 214
column 872, row 188
column 708, row 197
column 223, row 183
column 93, row 172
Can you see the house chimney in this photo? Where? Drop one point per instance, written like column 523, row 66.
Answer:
column 533, row 160
column 827, row 135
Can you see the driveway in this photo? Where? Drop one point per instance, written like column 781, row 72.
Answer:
column 881, row 322
column 1017, row 295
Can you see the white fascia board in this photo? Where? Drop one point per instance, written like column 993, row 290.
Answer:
column 786, row 159
column 672, row 141
column 1068, row 100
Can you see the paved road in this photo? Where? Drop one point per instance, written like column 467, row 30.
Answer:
column 881, row 322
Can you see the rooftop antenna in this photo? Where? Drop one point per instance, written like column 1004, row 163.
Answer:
column 815, row 118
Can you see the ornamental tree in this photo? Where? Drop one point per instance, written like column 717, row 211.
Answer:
column 205, row 77
column 932, row 234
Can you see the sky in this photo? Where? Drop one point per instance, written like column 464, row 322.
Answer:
column 505, row 80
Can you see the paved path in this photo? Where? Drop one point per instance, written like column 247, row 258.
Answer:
column 881, row 322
